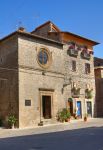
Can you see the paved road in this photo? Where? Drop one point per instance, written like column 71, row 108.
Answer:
column 76, row 136
column 79, row 139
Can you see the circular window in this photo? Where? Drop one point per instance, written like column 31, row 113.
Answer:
column 44, row 57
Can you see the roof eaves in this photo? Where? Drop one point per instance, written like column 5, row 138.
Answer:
column 40, row 37
column 94, row 42
column 31, row 35
column 6, row 37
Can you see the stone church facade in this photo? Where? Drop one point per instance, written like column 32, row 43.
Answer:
column 44, row 71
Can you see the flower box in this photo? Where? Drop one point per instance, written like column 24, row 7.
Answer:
column 86, row 55
column 75, row 92
column 73, row 52
column 88, row 93
column 75, row 96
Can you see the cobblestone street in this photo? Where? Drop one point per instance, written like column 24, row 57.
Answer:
column 73, row 124
column 86, row 136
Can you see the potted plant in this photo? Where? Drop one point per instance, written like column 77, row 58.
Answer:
column 11, row 121
column 40, row 123
column 64, row 115
column 85, row 117
column 68, row 116
column 61, row 116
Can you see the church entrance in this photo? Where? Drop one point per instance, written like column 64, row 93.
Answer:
column 46, row 106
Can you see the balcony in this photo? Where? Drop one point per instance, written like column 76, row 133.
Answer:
column 76, row 92
column 86, row 55
column 88, row 93
column 72, row 52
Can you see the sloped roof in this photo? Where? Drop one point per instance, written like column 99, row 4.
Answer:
column 78, row 36
column 98, row 62
column 27, row 34
column 66, row 32
column 75, row 35
column 48, row 22
column 50, row 40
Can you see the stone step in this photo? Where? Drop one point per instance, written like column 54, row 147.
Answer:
column 49, row 121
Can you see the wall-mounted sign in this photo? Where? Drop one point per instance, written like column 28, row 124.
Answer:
column 27, row 102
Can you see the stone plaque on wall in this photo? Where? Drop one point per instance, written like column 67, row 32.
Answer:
column 27, row 102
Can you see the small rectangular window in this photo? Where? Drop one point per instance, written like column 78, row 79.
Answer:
column 73, row 65
column 87, row 68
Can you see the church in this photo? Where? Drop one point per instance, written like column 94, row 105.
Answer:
column 44, row 71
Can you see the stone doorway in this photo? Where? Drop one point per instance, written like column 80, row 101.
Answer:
column 89, row 109
column 79, row 109
column 70, row 107
column 46, row 106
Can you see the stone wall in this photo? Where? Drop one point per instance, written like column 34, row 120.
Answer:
column 98, row 62
column 101, row 73
column 43, row 31
column 60, row 71
column 8, row 78
column 80, row 79
column 31, row 80
column 99, row 97
column 99, row 89
column 22, row 78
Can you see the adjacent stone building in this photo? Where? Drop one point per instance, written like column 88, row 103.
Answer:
column 44, row 71
column 98, row 63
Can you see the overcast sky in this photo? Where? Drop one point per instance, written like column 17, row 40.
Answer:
column 82, row 17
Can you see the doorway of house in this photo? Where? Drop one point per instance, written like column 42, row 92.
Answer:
column 89, row 109
column 79, row 114
column 70, row 107
column 46, row 107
